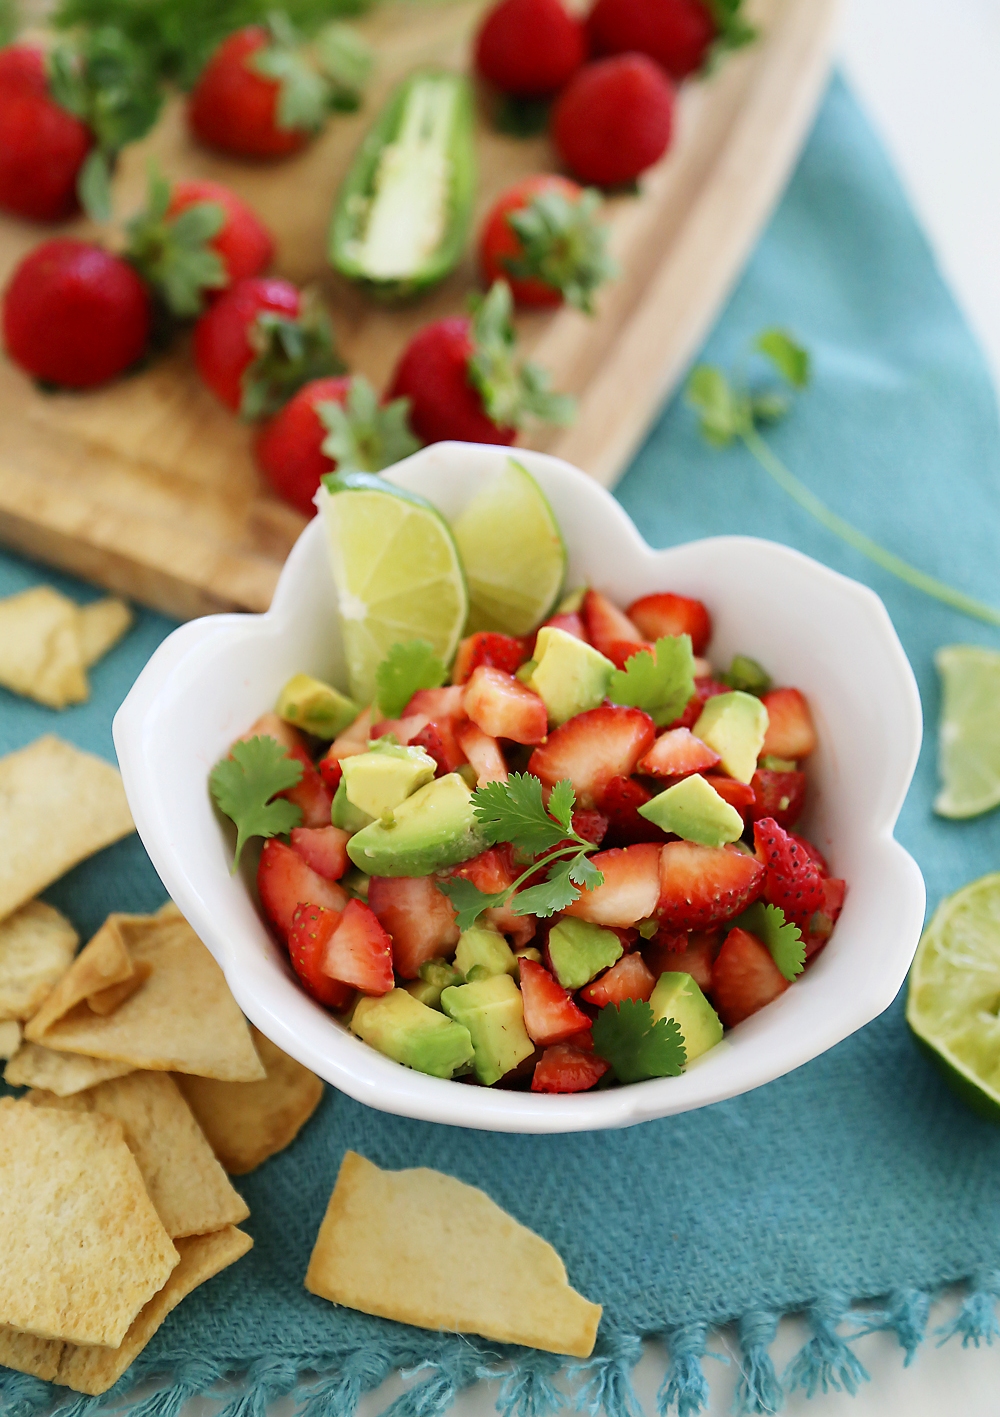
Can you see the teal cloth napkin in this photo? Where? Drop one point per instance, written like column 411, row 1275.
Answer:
column 858, row 1177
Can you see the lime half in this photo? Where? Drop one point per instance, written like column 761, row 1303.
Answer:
column 969, row 731
column 513, row 553
column 397, row 570
column 953, row 1003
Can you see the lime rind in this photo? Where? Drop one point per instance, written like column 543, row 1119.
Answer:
column 969, row 731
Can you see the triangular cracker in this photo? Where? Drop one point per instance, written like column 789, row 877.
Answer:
column 186, row 1184
column 83, row 1248
column 105, row 960
column 422, row 1248
column 34, row 1065
column 100, row 625
column 40, row 654
column 37, row 945
column 10, row 1037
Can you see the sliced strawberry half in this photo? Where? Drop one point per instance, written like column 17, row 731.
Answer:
column 631, row 886
column 566, row 1068
column 704, row 885
column 780, row 795
column 793, row 881
column 606, row 625
column 311, row 928
column 571, row 623
column 324, row 849
column 502, row 707
column 418, row 916
column 404, row 729
column 354, row 738
column 744, row 978
column 331, row 772
column 620, row 803
column 822, row 923
column 359, row 952
column 483, row 752
column 592, row 748
column 813, row 852
column 667, row 614
column 628, row 979
column 677, row 753
column 738, row 794
column 705, row 688
column 493, row 871
column 284, row 882
column 504, row 652
column 444, row 713
column 550, row 1015
column 791, row 732
column 696, row 955
column 591, row 825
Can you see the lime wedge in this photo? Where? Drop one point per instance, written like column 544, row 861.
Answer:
column 953, row 1004
column 397, row 572
column 969, row 731
column 513, row 553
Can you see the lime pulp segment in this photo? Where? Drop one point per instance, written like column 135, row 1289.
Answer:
column 969, row 731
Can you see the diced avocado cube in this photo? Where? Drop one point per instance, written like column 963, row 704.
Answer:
column 570, row 675
column 692, row 809
column 315, row 707
column 435, row 976
column 579, row 950
column 344, row 814
column 486, row 947
column 478, row 971
column 526, row 670
column 572, row 601
column 746, row 673
column 529, row 952
column 376, row 782
column 734, row 725
column 433, row 828
column 492, row 1011
column 773, row 764
column 403, row 1028
column 677, row 996
column 355, row 882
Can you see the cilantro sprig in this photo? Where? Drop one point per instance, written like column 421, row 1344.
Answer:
column 636, row 1045
column 782, row 937
column 660, row 682
column 407, row 667
column 244, row 783
column 513, row 811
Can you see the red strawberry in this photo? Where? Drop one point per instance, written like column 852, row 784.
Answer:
column 311, row 793
column 704, row 689
column 790, row 729
column 813, row 852
column 405, row 729
column 744, row 978
column 606, row 626
column 676, row 33
column 738, row 794
column 324, row 849
column 439, row 735
column 22, row 66
column 702, row 885
column 591, row 825
column 358, row 951
column 542, row 235
column 504, row 708
column 504, row 652
column 677, row 753
column 419, row 918
column 354, row 738
column 628, row 979
column 240, row 106
column 529, row 48
column 592, row 748
column 312, row 926
column 550, row 1015
column 572, row 624
column 683, row 953
column 483, row 752
column 42, row 145
column 493, row 871
column 668, row 614
column 793, row 881
column 631, row 886
column 614, row 119
column 780, row 795
column 566, row 1068
column 74, row 315
column 438, row 704
column 620, row 802
column 822, row 923
column 331, row 772
column 284, row 882
column 243, row 241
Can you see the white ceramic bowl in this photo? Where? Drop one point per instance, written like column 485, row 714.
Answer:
column 812, row 628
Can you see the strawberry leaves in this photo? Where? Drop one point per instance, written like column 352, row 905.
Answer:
column 288, row 354
column 172, row 253
column 512, row 391
column 244, row 784
column 636, row 1045
column 661, row 683
column 406, row 668
column 564, row 245
column 365, row 435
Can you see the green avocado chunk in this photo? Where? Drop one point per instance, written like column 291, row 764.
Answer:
column 434, row 828
column 344, row 814
column 579, row 951
column 376, row 782
column 692, row 809
column 315, row 707
column 436, row 975
column 570, row 676
column 734, row 725
column 677, row 996
column 403, row 1028
column 484, row 947
column 492, row 1011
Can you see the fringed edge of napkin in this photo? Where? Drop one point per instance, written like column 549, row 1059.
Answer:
column 535, row 1384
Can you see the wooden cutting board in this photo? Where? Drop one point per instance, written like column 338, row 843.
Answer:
column 149, row 488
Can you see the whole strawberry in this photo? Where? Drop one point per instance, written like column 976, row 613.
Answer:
column 74, row 315
column 331, row 423
column 23, row 65
column 793, row 880
column 464, row 381
column 681, row 35
column 529, row 48
column 542, row 236
column 42, row 145
column 614, row 119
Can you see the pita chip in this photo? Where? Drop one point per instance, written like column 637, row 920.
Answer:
column 61, row 1073
column 246, row 1122
column 37, row 945
column 83, row 1247
column 100, row 625
column 183, row 1019
column 40, row 653
column 397, row 1244
column 103, row 962
column 191, row 1192
column 91, row 1369
column 10, row 1037
column 58, row 806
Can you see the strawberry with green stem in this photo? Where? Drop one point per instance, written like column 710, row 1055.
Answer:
column 682, row 36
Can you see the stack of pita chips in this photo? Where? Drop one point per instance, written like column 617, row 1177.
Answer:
column 48, row 642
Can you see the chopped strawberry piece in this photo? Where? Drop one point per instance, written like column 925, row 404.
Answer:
column 483, row 752
column 494, row 871
column 504, row 652
column 592, row 748
column 359, row 952
column 834, row 891
column 584, row 1041
column 813, row 852
column 354, row 738
column 696, row 955
column 591, row 825
column 822, row 923
column 780, row 795
column 790, row 729
column 331, row 772
column 284, row 882
column 704, row 689
column 793, row 881
column 666, row 614
column 744, row 978
column 631, row 886
column 572, row 624
column 606, row 625
column 738, row 794
column 621, row 651
column 628, row 979
column 311, row 794
column 402, row 729
column 504, row 708
column 419, row 918
column 703, row 885
column 311, row 929
column 550, row 1015
column 620, row 802
column 443, row 714
column 567, row 1069
column 437, row 704
column 440, row 740
column 322, row 848
column 677, row 753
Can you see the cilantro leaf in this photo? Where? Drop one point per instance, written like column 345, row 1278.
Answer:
column 720, row 408
column 406, row 668
column 583, row 871
column 661, row 683
column 554, row 893
column 513, row 811
column 636, row 1045
column 781, row 936
column 244, row 783
column 469, row 901
column 789, row 358
column 562, row 800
